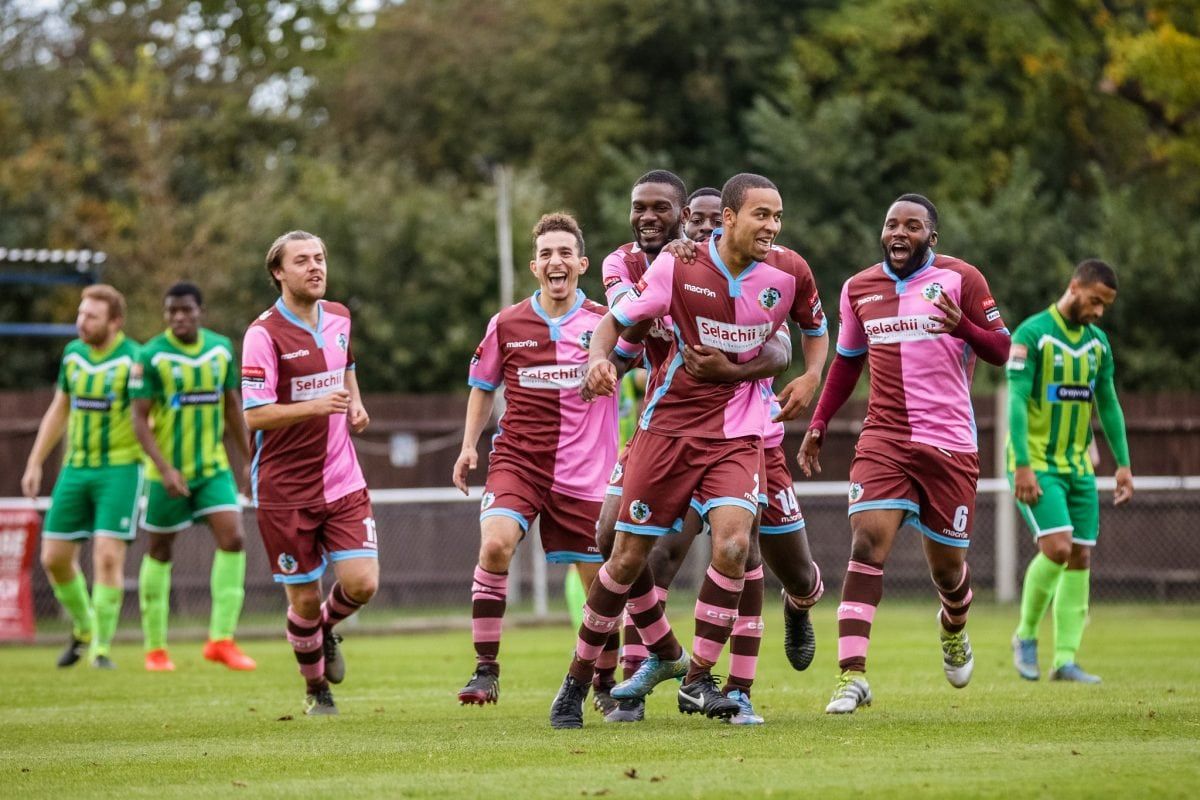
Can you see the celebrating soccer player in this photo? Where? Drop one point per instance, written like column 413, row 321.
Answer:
column 301, row 401
column 185, row 393
column 554, row 452
column 919, row 319
column 98, row 489
column 695, row 438
column 786, row 548
column 1060, row 363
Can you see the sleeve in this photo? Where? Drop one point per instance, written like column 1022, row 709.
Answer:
column 1022, row 369
column 487, row 368
column 231, row 374
column 144, row 381
column 650, row 297
column 628, row 349
column 615, row 274
column 843, row 376
column 1112, row 418
column 260, row 369
column 977, row 302
column 61, row 381
column 806, row 305
column 852, row 339
column 350, row 362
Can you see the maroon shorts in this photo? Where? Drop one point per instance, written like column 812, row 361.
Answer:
column 567, row 524
column 662, row 473
column 781, row 513
column 935, row 486
column 300, row 542
column 617, row 479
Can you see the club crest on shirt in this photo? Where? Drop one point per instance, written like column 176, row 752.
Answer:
column 287, row 563
column 488, row 499
column 341, row 340
column 638, row 511
column 585, row 340
column 856, row 492
column 617, row 472
column 768, row 298
column 932, row 292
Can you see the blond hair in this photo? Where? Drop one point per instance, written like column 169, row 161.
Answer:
column 109, row 296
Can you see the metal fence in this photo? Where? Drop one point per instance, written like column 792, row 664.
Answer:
column 1148, row 551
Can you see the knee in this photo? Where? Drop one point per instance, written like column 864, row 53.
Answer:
column 731, row 553
column 306, row 603
column 1057, row 551
column 495, row 553
column 362, row 590
column 1080, row 558
column 56, row 565
column 108, row 563
column 604, row 539
column 160, row 548
column 865, row 550
column 946, row 576
column 233, row 543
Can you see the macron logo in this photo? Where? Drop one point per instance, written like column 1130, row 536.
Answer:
column 871, row 298
column 294, row 354
column 523, row 343
column 702, row 290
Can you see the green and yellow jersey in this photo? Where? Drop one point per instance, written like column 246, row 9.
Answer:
column 187, row 385
column 100, row 422
column 1056, row 371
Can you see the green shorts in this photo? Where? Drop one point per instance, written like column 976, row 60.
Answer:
column 166, row 514
column 1069, row 504
column 94, row 500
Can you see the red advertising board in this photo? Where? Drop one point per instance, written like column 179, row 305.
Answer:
column 18, row 541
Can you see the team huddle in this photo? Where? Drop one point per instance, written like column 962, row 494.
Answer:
column 701, row 299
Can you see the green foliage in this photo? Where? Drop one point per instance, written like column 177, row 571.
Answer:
column 180, row 137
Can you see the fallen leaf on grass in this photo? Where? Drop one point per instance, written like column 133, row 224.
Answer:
column 285, row 718
column 240, row 784
column 1076, row 753
column 658, row 778
column 594, row 793
column 631, row 773
column 577, row 752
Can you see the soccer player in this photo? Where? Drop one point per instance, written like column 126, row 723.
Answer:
column 554, row 451
column 786, row 548
column 97, row 491
column 185, row 394
column 1060, row 364
column 694, row 438
column 919, row 319
column 301, row 401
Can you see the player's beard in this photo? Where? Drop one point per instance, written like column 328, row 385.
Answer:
column 915, row 259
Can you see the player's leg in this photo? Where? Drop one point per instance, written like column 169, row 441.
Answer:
column 117, row 491
column 351, row 544
column 60, row 560
column 215, row 501
column 68, row 524
column 163, row 518
column 507, row 509
column 952, row 576
column 289, row 535
column 606, row 533
column 745, row 641
column 1050, row 523
column 1072, row 595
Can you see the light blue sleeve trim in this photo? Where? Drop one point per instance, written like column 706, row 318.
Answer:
column 614, row 491
column 307, row 577
column 915, row 521
column 572, row 557
column 623, row 353
column 875, row 505
column 352, row 365
column 842, row 351
column 248, row 404
column 641, row 530
column 476, row 383
column 730, row 501
column 346, row 555
column 821, row 331
column 772, row 530
column 622, row 317
column 506, row 512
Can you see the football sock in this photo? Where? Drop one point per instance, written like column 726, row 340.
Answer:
column 861, row 593
column 306, row 636
column 227, row 582
column 107, row 602
column 154, row 600
column 716, row 610
column 747, row 634
column 338, row 606
column 74, row 598
column 601, row 617
column 956, row 603
column 648, row 613
column 1070, row 614
column 489, row 593
column 633, row 652
column 1041, row 581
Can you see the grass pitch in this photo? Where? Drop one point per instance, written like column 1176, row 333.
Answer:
column 203, row 731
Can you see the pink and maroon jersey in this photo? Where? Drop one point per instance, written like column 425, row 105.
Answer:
column 920, row 381
column 546, row 426
column 622, row 270
column 708, row 306
column 284, row 360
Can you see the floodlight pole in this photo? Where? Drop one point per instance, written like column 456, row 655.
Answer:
column 1006, row 520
